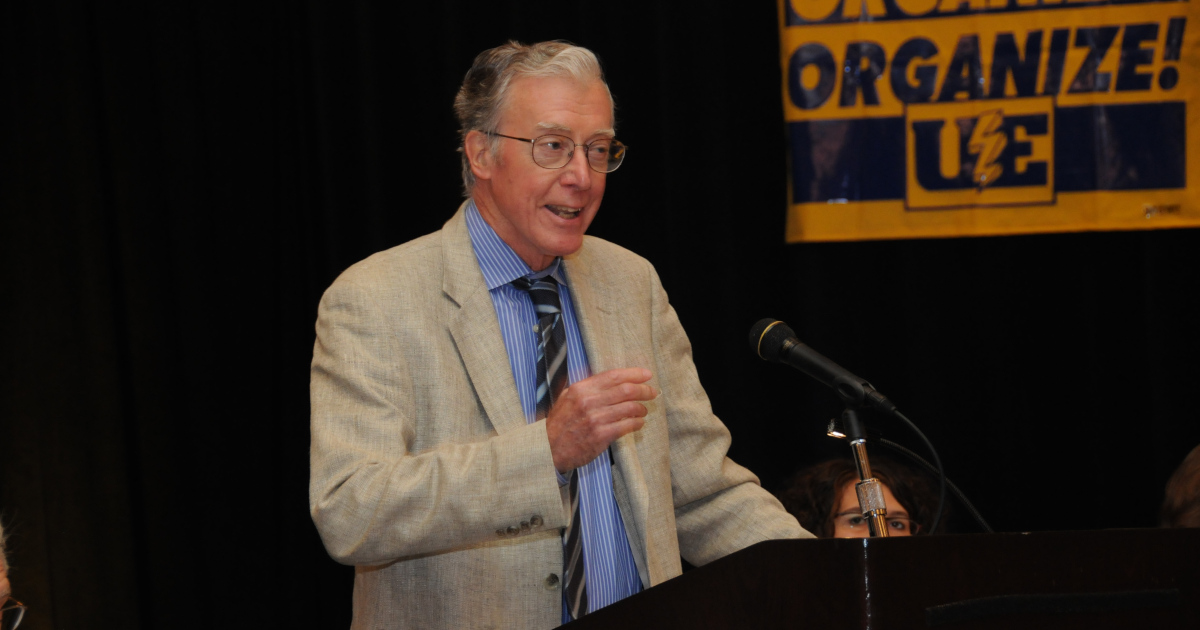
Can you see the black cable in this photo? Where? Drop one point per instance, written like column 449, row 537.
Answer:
column 938, row 460
column 962, row 498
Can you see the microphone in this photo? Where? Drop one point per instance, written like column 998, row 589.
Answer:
column 772, row 340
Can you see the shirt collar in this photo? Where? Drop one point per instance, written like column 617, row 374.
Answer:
column 498, row 262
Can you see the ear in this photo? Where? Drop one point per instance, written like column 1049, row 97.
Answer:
column 479, row 152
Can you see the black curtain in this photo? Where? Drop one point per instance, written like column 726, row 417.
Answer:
column 180, row 181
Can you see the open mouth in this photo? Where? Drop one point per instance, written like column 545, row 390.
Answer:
column 563, row 211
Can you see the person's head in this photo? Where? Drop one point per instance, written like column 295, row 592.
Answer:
column 848, row 520
column 1181, row 507
column 823, row 498
column 527, row 92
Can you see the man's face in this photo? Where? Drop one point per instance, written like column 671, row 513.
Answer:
column 542, row 213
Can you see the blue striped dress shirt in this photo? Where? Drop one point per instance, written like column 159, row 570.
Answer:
column 608, row 562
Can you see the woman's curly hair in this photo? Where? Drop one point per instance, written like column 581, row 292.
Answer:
column 811, row 494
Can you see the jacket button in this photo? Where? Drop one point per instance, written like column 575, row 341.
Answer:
column 535, row 520
column 552, row 582
column 513, row 531
column 500, row 533
column 524, row 526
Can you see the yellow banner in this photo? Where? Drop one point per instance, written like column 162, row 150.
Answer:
column 929, row 118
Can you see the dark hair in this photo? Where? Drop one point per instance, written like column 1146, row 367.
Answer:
column 811, row 494
column 1181, row 507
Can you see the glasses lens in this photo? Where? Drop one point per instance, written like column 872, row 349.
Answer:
column 850, row 521
column 552, row 151
column 614, row 154
column 902, row 527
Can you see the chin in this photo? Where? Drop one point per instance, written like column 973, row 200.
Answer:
column 565, row 247
column 567, row 251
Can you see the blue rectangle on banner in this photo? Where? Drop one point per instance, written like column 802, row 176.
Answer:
column 1121, row 147
column 1101, row 147
column 858, row 159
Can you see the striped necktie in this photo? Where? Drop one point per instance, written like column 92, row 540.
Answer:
column 551, row 380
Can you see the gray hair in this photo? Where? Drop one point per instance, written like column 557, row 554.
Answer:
column 484, row 91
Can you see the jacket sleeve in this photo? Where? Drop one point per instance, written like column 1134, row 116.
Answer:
column 403, row 459
column 720, row 507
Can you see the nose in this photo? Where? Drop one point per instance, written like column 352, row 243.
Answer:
column 578, row 173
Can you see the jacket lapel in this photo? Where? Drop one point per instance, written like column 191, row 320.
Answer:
column 604, row 342
column 475, row 329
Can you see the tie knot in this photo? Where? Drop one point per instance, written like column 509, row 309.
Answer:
column 543, row 291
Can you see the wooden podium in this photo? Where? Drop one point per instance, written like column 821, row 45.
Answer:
column 1140, row 579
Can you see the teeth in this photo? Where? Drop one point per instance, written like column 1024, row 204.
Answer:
column 565, row 212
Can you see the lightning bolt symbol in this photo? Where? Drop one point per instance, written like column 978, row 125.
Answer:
column 986, row 143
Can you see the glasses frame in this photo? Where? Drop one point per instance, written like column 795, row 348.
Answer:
column 8, row 607
column 914, row 527
column 587, row 148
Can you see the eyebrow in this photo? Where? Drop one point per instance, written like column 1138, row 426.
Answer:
column 565, row 129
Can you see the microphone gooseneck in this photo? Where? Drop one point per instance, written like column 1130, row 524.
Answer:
column 773, row 340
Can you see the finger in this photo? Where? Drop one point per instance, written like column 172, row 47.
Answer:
column 614, row 377
column 605, row 406
column 596, row 423
column 609, row 379
column 615, row 430
column 626, row 392
column 615, row 413
column 592, row 393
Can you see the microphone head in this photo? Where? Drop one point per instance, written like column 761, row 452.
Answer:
column 767, row 337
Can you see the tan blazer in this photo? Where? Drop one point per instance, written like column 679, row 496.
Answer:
column 427, row 478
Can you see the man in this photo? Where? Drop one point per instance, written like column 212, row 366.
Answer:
column 508, row 430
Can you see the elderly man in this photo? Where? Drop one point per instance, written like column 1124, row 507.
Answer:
column 508, row 430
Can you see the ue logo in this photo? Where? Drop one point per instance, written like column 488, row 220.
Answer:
column 980, row 153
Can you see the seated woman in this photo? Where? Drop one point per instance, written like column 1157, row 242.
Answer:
column 823, row 498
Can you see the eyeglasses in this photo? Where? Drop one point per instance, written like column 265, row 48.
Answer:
column 554, row 151
column 857, row 523
column 11, row 614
